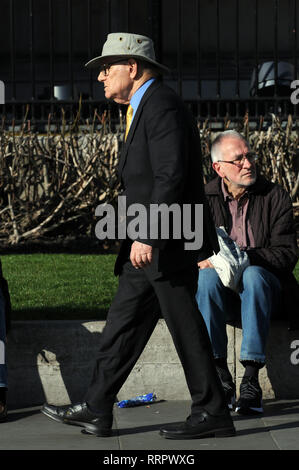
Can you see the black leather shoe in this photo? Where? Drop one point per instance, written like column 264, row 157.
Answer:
column 79, row 415
column 204, row 425
column 55, row 412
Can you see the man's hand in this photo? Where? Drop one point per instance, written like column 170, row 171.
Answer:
column 205, row 264
column 141, row 254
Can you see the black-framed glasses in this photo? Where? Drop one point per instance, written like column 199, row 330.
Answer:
column 105, row 68
column 240, row 160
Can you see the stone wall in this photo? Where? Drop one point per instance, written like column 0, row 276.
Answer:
column 53, row 361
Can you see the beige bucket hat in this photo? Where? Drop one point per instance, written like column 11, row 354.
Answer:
column 127, row 45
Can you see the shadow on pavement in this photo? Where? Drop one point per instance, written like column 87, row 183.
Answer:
column 17, row 415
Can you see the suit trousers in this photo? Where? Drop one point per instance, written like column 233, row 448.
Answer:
column 131, row 319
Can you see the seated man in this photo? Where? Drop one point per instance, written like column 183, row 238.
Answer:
column 258, row 216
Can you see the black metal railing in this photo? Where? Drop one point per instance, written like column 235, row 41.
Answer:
column 33, row 58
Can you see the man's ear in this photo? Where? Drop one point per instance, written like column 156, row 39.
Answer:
column 217, row 167
column 133, row 67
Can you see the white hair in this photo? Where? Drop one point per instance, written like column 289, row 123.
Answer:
column 216, row 145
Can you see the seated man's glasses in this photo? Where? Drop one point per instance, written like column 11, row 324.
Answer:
column 240, row 160
column 105, row 68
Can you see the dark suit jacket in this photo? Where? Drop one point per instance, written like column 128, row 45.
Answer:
column 161, row 163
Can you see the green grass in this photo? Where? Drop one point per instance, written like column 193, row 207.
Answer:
column 60, row 286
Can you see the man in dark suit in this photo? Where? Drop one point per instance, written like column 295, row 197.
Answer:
column 160, row 164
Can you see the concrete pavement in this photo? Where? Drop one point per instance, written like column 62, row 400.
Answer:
column 137, row 429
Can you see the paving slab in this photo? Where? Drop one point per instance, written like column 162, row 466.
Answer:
column 282, row 418
column 29, row 429
column 137, row 429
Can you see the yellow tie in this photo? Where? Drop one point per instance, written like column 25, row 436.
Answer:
column 129, row 117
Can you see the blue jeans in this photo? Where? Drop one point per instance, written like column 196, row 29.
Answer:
column 3, row 367
column 260, row 295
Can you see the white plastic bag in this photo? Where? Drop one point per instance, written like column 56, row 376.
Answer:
column 230, row 261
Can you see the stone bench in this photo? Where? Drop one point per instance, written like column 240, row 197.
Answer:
column 53, row 361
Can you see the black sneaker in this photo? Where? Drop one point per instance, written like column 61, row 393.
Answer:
column 3, row 412
column 228, row 387
column 250, row 401
column 3, row 406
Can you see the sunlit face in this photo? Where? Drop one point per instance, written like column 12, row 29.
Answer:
column 230, row 149
column 117, row 83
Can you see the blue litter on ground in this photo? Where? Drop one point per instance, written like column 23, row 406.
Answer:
column 140, row 400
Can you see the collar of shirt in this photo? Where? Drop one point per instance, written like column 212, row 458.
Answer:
column 137, row 97
column 227, row 196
